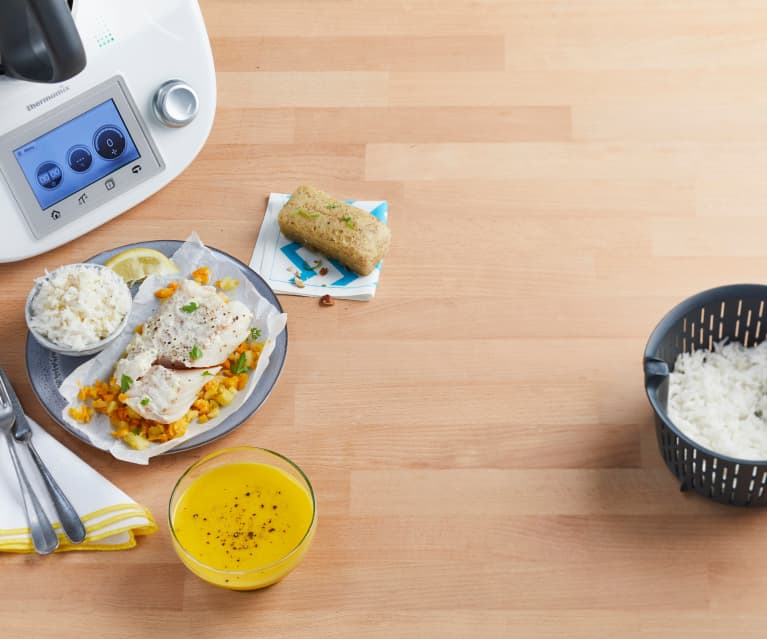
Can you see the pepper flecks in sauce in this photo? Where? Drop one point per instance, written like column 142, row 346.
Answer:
column 226, row 504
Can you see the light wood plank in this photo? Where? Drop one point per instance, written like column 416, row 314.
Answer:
column 355, row 125
column 360, row 53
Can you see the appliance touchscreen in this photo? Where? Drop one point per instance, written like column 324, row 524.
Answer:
column 76, row 154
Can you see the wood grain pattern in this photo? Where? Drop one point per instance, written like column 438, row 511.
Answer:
column 560, row 174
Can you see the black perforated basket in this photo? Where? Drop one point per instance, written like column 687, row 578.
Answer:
column 735, row 312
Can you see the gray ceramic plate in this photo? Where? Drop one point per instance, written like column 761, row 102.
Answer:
column 47, row 370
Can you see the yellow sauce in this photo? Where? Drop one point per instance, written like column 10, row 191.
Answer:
column 243, row 517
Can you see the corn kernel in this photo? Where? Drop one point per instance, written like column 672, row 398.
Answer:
column 227, row 283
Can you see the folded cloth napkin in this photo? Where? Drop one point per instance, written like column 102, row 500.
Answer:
column 277, row 259
column 112, row 519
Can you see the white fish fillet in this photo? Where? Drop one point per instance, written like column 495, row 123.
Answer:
column 166, row 394
column 215, row 328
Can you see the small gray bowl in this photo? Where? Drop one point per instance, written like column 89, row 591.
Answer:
column 89, row 349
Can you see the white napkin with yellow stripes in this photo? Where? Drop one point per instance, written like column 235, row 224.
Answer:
column 112, row 519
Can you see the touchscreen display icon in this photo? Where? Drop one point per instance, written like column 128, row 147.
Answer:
column 79, row 158
column 49, row 175
column 109, row 142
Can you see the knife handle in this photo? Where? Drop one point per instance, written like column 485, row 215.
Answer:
column 44, row 538
column 70, row 520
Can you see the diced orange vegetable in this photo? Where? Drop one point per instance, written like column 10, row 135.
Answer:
column 165, row 293
column 201, row 275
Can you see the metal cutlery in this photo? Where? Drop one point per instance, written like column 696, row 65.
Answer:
column 44, row 537
column 71, row 523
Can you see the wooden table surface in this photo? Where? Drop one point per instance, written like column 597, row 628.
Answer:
column 560, row 174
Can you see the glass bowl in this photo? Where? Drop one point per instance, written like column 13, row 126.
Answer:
column 242, row 518
column 106, row 275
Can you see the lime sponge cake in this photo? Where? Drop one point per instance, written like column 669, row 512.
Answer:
column 334, row 228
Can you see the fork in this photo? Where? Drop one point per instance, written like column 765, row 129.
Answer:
column 44, row 537
column 71, row 523
column 70, row 520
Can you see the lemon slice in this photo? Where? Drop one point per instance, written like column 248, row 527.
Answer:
column 133, row 265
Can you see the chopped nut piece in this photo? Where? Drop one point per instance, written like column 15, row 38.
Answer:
column 326, row 300
column 298, row 282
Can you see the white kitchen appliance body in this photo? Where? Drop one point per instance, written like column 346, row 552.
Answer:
column 75, row 154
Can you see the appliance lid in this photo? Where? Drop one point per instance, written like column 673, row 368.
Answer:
column 39, row 41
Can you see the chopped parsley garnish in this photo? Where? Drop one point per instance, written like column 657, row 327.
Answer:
column 307, row 215
column 145, row 401
column 206, row 373
column 349, row 221
column 125, row 383
column 191, row 307
column 241, row 365
column 317, row 264
column 332, row 205
column 255, row 333
column 195, row 353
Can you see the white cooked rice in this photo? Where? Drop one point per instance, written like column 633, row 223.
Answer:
column 78, row 305
column 719, row 399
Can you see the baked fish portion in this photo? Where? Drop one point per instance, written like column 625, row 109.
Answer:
column 194, row 328
column 165, row 395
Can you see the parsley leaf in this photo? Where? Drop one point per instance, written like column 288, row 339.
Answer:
column 191, row 307
column 125, row 383
column 255, row 333
column 307, row 215
column 145, row 401
column 240, row 366
column 195, row 353
column 206, row 373
column 349, row 221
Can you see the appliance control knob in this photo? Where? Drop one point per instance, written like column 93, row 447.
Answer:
column 176, row 103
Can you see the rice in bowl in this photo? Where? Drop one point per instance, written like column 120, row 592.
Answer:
column 719, row 399
column 78, row 306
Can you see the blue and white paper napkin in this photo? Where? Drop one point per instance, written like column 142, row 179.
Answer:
column 280, row 261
